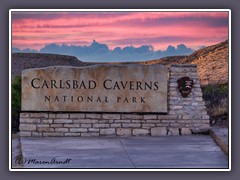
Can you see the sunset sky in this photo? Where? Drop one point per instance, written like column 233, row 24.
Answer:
column 34, row 30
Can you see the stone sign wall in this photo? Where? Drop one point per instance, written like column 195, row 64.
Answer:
column 185, row 115
column 99, row 88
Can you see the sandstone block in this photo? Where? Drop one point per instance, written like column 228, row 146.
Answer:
column 90, row 134
column 116, row 125
column 100, row 125
column 149, row 116
column 45, row 129
column 93, row 116
column 71, row 125
column 173, row 132
column 77, row 116
column 86, row 125
column 131, row 125
column 124, row 131
column 27, row 127
column 61, row 129
column 54, row 134
column 24, row 115
column 111, row 116
column 131, row 116
column 29, row 120
column 62, row 116
column 93, row 129
column 159, row 131
column 186, row 131
column 85, row 121
column 78, row 129
column 65, row 121
column 39, row 115
column 72, row 134
column 110, row 131
column 137, row 132
column 56, row 125
column 47, row 121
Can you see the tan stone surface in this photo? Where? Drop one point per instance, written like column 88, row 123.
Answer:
column 113, row 97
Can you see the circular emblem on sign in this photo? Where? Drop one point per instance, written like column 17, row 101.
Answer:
column 185, row 85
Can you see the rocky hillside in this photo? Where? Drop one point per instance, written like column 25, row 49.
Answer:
column 212, row 62
column 21, row 61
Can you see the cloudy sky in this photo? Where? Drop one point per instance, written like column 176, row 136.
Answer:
column 105, row 35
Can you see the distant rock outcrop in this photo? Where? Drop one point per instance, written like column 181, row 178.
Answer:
column 21, row 61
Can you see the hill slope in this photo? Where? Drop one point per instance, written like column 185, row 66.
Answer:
column 211, row 61
column 21, row 61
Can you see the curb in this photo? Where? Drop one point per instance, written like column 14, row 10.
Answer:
column 219, row 141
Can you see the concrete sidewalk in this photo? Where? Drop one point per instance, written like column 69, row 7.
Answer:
column 196, row 151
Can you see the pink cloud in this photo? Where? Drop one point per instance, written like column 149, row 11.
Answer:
column 195, row 28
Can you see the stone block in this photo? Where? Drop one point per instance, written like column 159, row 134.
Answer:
column 148, row 125
column 101, row 125
column 72, row 134
column 93, row 129
column 122, row 121
column 93, row 116
column 94, row 97
column 173, row 132
column 139, row 132
column 43, row 125
column 90, row 134
column 47, row 121
column 29, row 120
column 62, row 116
column 39, row 115
column 27, row 127
column 159, row 131
column 132, row 116
column 45, row 129
column 131, row 125
column 23, row 115
column 77, row 116
column 61, row 129
column 124, row 131
column 65, row 121
column 109, row 131
column 186, row 131
column 86, row 125
column 71, row 125
column 105, row 121
column 167, row 117
column 78, row 129
column 149, row 116
column 111, row 116
column 116, row 125
column 56, row 125
column 54, row 134
column 85, row 121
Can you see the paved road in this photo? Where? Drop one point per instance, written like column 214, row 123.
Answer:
column 196, row 151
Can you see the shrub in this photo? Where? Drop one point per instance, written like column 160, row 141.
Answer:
column 216, row 98
column 16, row 102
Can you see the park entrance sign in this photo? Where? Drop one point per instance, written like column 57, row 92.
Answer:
column 98, row 88
column 112, row 100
